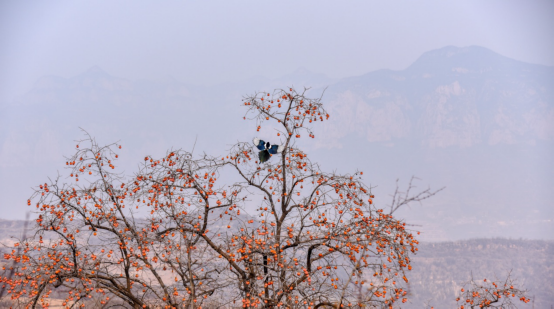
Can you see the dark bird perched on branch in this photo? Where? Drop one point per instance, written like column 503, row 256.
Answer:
column 266, row 149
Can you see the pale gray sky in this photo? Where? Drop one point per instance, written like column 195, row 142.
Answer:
column 208, row 42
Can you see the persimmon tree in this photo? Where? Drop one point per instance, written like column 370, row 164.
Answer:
column 280, row 234
column 487, row 294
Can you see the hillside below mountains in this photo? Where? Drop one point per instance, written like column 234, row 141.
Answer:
column 441, row 269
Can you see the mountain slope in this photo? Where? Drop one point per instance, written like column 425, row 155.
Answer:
column 448, row 97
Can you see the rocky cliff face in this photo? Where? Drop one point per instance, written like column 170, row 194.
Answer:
column 448, row 97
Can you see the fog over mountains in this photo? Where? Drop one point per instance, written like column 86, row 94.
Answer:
column 466, row 118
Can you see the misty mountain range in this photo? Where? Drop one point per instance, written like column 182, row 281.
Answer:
column 450, row 97
column 466, row 118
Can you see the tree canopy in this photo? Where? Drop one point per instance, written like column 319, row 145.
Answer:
column 221, row 231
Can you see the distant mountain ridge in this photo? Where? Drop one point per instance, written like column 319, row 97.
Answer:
column 448, row 97
column 476, row 59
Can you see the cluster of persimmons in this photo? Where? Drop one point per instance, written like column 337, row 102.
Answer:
column 487, row 294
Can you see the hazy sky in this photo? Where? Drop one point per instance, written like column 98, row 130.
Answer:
column 207, row 42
